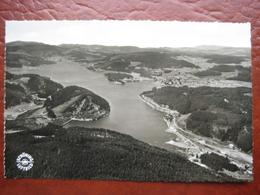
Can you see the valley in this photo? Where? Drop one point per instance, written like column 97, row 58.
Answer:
column 202, row 100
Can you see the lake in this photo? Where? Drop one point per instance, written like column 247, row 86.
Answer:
column 128, row 115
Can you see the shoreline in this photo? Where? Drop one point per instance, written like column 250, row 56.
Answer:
column 158, row 107
column 198, row 146
column 106, row 114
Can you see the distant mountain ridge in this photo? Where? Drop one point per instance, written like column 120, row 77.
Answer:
column 35, row 53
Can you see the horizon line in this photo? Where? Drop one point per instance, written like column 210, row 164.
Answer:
column 210, row 45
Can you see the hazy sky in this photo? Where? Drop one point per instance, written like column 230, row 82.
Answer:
column 135, row 33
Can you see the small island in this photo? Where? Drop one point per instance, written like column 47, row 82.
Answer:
column 119, row 78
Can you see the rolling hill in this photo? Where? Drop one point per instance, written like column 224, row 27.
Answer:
column 87, row 153
column 222, row 113
column 55, row 103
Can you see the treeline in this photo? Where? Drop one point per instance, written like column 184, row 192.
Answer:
column 217, row 162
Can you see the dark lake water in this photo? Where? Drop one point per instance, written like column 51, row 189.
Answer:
column 129, row 114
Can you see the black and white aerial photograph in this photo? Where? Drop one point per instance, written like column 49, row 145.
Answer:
column 156, row 101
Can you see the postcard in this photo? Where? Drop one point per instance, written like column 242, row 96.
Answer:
column 159, row 101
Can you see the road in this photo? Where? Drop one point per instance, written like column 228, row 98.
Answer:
column 194, row 145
